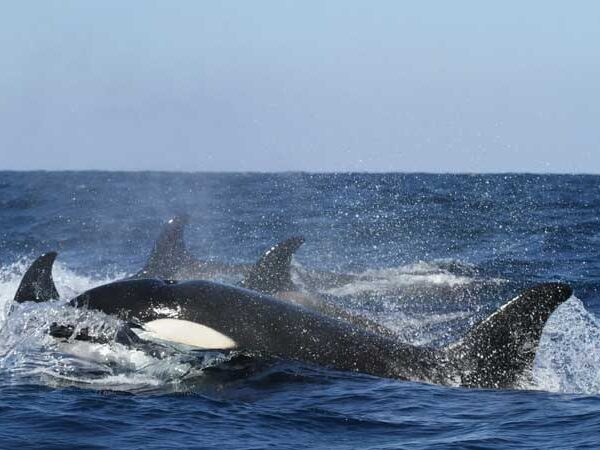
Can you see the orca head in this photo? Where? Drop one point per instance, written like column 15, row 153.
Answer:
column 127, row 299
column 37, row 284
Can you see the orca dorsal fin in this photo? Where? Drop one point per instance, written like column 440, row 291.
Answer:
column 271, row 273
column 169, row 251
column 499, row 350
column 37, row 284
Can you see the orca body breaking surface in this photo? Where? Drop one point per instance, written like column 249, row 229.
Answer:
column 495, row 353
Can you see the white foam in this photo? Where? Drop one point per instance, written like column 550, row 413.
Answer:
column 68, row 283
column 28, row 351
column 568, row 355
column 390, row 279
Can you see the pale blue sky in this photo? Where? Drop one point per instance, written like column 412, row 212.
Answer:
column 435, row 86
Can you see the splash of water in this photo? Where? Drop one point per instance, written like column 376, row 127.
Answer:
column 568, row 356
column 28, row 352
column 390, row 279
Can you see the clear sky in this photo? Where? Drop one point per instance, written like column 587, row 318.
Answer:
column 337, row 85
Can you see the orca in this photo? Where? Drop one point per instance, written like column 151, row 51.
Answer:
column 495, row 353
column 498, row 352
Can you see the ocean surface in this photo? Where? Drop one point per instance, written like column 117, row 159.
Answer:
column 426, row 255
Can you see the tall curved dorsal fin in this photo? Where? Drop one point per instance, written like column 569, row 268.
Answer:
column 271, row 273
column 169, row 252
column 37, row 284
column 501, row 348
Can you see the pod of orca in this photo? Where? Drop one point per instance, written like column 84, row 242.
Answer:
column 261, row 318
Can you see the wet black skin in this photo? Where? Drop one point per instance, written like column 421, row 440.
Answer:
column 496, row 353
column 263, row 324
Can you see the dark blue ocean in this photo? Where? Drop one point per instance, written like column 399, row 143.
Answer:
column 429, row 256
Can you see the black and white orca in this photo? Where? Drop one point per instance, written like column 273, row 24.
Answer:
column 497, row 352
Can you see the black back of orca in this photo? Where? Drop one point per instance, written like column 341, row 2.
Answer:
column 495, row 353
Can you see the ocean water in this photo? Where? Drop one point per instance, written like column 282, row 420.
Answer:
column 426, row 255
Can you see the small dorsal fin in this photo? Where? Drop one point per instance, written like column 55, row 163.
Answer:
column 272, row 271
column 169, row 252
column 37, row 284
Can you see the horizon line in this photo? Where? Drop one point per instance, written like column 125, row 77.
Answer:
column 283, row 172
